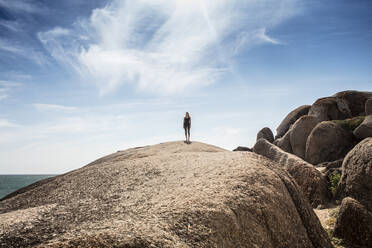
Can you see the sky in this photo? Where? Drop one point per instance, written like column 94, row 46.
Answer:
column 82, row 79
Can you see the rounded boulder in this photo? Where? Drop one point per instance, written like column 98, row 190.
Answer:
column 356, row 179
column 300, row 132
column 291, row 118
column 364, row 130
column 327, row 108
column 265, row 133
column 327, row 142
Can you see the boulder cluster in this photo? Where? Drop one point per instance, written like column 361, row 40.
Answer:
column 327, row 149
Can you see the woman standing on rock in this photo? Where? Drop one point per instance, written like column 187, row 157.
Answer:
column 187, row 126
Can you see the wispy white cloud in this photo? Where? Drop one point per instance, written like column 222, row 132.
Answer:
column 26, row 52
column 162, row 45
column 23, row 6
column 6, row 87
column 6, row 46
column 11, row 25
column 54, row 107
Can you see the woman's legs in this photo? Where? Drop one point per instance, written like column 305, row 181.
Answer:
column 187, row 133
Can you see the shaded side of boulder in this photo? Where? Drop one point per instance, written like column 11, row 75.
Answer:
column 300, row 132
column 242, row 149
column 368, row 106
column 326, row 109
column 364, row 130
column 355, row 100
column 265, row 133
column 313, row 184
column 328, row 142
column 290, row 119
column 356, row 179
column 284, row 142
column 354, row 224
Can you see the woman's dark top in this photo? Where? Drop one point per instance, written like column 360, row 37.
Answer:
column 186, row 122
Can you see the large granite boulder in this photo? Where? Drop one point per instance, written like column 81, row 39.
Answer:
column 290, row 119
column 356, row 179
column 355, row 100
column 284, row 142
column 300, row 132
column 328, row 142
column 328, row 108
column 265, row 133
column 364, row 130
column 311, row 181
column 167, row 195
column 354, row 224
column 368, row 106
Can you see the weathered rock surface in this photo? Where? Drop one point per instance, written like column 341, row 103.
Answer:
column 313, row 184
column 356, row 179
column 166, row 195
column 364, row 130
column 368, row 106
column 355, row 100
column 265, row 133
column 300, row 132
column 284, row 142
column 354, row 224
column 327, row 108
column 328, row 142
column 290, row 119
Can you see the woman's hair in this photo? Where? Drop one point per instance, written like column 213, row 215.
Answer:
column 187, row 115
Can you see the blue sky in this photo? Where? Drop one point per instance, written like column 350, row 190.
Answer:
column 81, row 79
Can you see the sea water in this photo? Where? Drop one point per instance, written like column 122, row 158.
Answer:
column 11, row 183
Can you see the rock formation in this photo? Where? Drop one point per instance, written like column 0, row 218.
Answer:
column 354, row 224
column 355, row 100
column 356, row 179
column 166, row 195
column 284, row 142
column 327, row 142
column 242, row 149
column 368, row 106
column 326, row 135
column 311, row 181
column 326, row 109
column 300, row 132
column 265, row 133
column 364, row 130
column 290, row 119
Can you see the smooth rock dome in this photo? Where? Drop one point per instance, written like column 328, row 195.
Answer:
column 166, row 195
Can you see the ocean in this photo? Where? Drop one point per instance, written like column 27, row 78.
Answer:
column 11, row 183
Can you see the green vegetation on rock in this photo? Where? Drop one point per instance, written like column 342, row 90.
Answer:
column 338, row 243
column 350, row 124
column 334, row 178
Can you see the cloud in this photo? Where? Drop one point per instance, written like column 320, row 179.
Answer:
column 24, row 51
column 6, row 123
column 6, row 87
column 164, row 46
column 23, row 6
column 53, row 107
